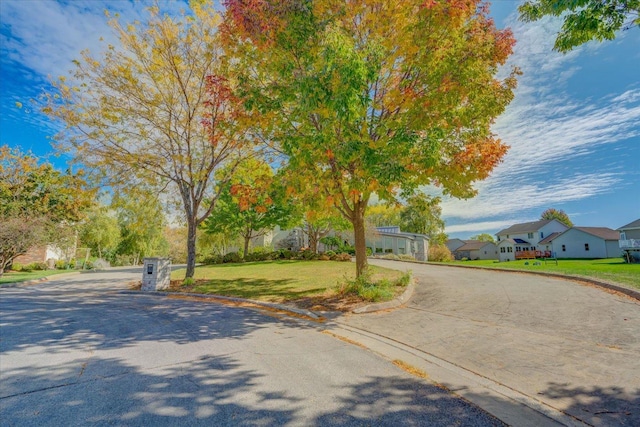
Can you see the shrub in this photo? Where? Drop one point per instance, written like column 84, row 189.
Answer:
column 16, row 266
column 189, row 281
column 404, row 280
column 406, row 257
column 330, row 254
column 464, row 258
column 390, row 256
column 285, row 254
column 342, row 257
column 369, row 251
column 232, row 257
column 324, row 257
column 440, row 253
column 35, row 266
column 307, row 255
column 364, row 287
column 212, row 259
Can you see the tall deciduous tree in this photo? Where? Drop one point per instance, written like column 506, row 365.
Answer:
column 100, row 231
column 422, row 215
column 375, row 96
column 35, row 199
column 157, row 107
column 584, row 20
column 558, row 214
column 250, row 205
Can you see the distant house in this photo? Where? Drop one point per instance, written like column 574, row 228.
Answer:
column 583, row 242
column 38, row 254
column 630, row 240
column 392, row 240
column 453, row 244
column 476, row 249
column 521, row 240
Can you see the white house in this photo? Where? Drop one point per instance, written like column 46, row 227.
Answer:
column 630, row 240
column 583, row 242
column 521, row 240
column 392, row 240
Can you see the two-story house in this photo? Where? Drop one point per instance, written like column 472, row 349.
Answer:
column 630, row 241
column 521, row 240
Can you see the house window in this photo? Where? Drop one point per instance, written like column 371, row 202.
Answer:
column 510, row 249
column 501, row 250
column 541, row 235
column 530, row 235
column 623, row 235
column 586, row 247
column 564, row 248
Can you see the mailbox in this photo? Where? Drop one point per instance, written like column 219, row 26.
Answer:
column 156, row 274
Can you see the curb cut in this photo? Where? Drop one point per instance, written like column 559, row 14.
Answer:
column 610, row 286
column 396, row 302
column 281, row 307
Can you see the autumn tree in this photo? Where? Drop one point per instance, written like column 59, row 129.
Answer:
column 584, row 20
column 36, row 201
column 558, row 214
column 422, row 214
column 156, row 108
column 250, row 204
column 369, row 97
column 483, row 237
column 383, row 214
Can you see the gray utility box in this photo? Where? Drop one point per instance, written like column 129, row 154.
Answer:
column 156, row 274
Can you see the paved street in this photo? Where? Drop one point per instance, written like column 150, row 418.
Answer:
column 571, row 347
column 76, row 351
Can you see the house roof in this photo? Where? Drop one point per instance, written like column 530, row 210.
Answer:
column 632, row 225
column 602, row 232
column 525, row 227
column 549, row 238
column 473, row 245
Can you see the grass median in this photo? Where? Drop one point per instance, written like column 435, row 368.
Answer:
column 310, row 284
column 613, row 270
column 25, row 276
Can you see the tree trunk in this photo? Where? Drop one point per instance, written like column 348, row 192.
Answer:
column 247, row 239
column 191, row 247
column 360, row 238
column 313, row 239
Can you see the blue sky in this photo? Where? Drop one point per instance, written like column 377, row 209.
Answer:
column 573, row 127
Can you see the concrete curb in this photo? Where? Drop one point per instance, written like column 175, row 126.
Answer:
column 281, row 307
column 396, row 302
column 610, row 286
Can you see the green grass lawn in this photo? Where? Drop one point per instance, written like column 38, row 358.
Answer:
column 609, row 269
column 276, row 281
column 23, row 276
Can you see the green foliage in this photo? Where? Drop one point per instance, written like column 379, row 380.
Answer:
column 188, row 281
column 422, row 215
column 584, row 20
column 232, row 257
column 558, row 214
column 370, row 290
column 484, row 237
column 38, row 204
column 100, row 231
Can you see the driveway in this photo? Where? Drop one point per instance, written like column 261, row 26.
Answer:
column 78, row 351
column 566, row 346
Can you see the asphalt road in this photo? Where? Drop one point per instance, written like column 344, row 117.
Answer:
column 568, row 346
column 76, row 351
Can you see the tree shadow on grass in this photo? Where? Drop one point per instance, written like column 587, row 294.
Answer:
column 261, row 289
